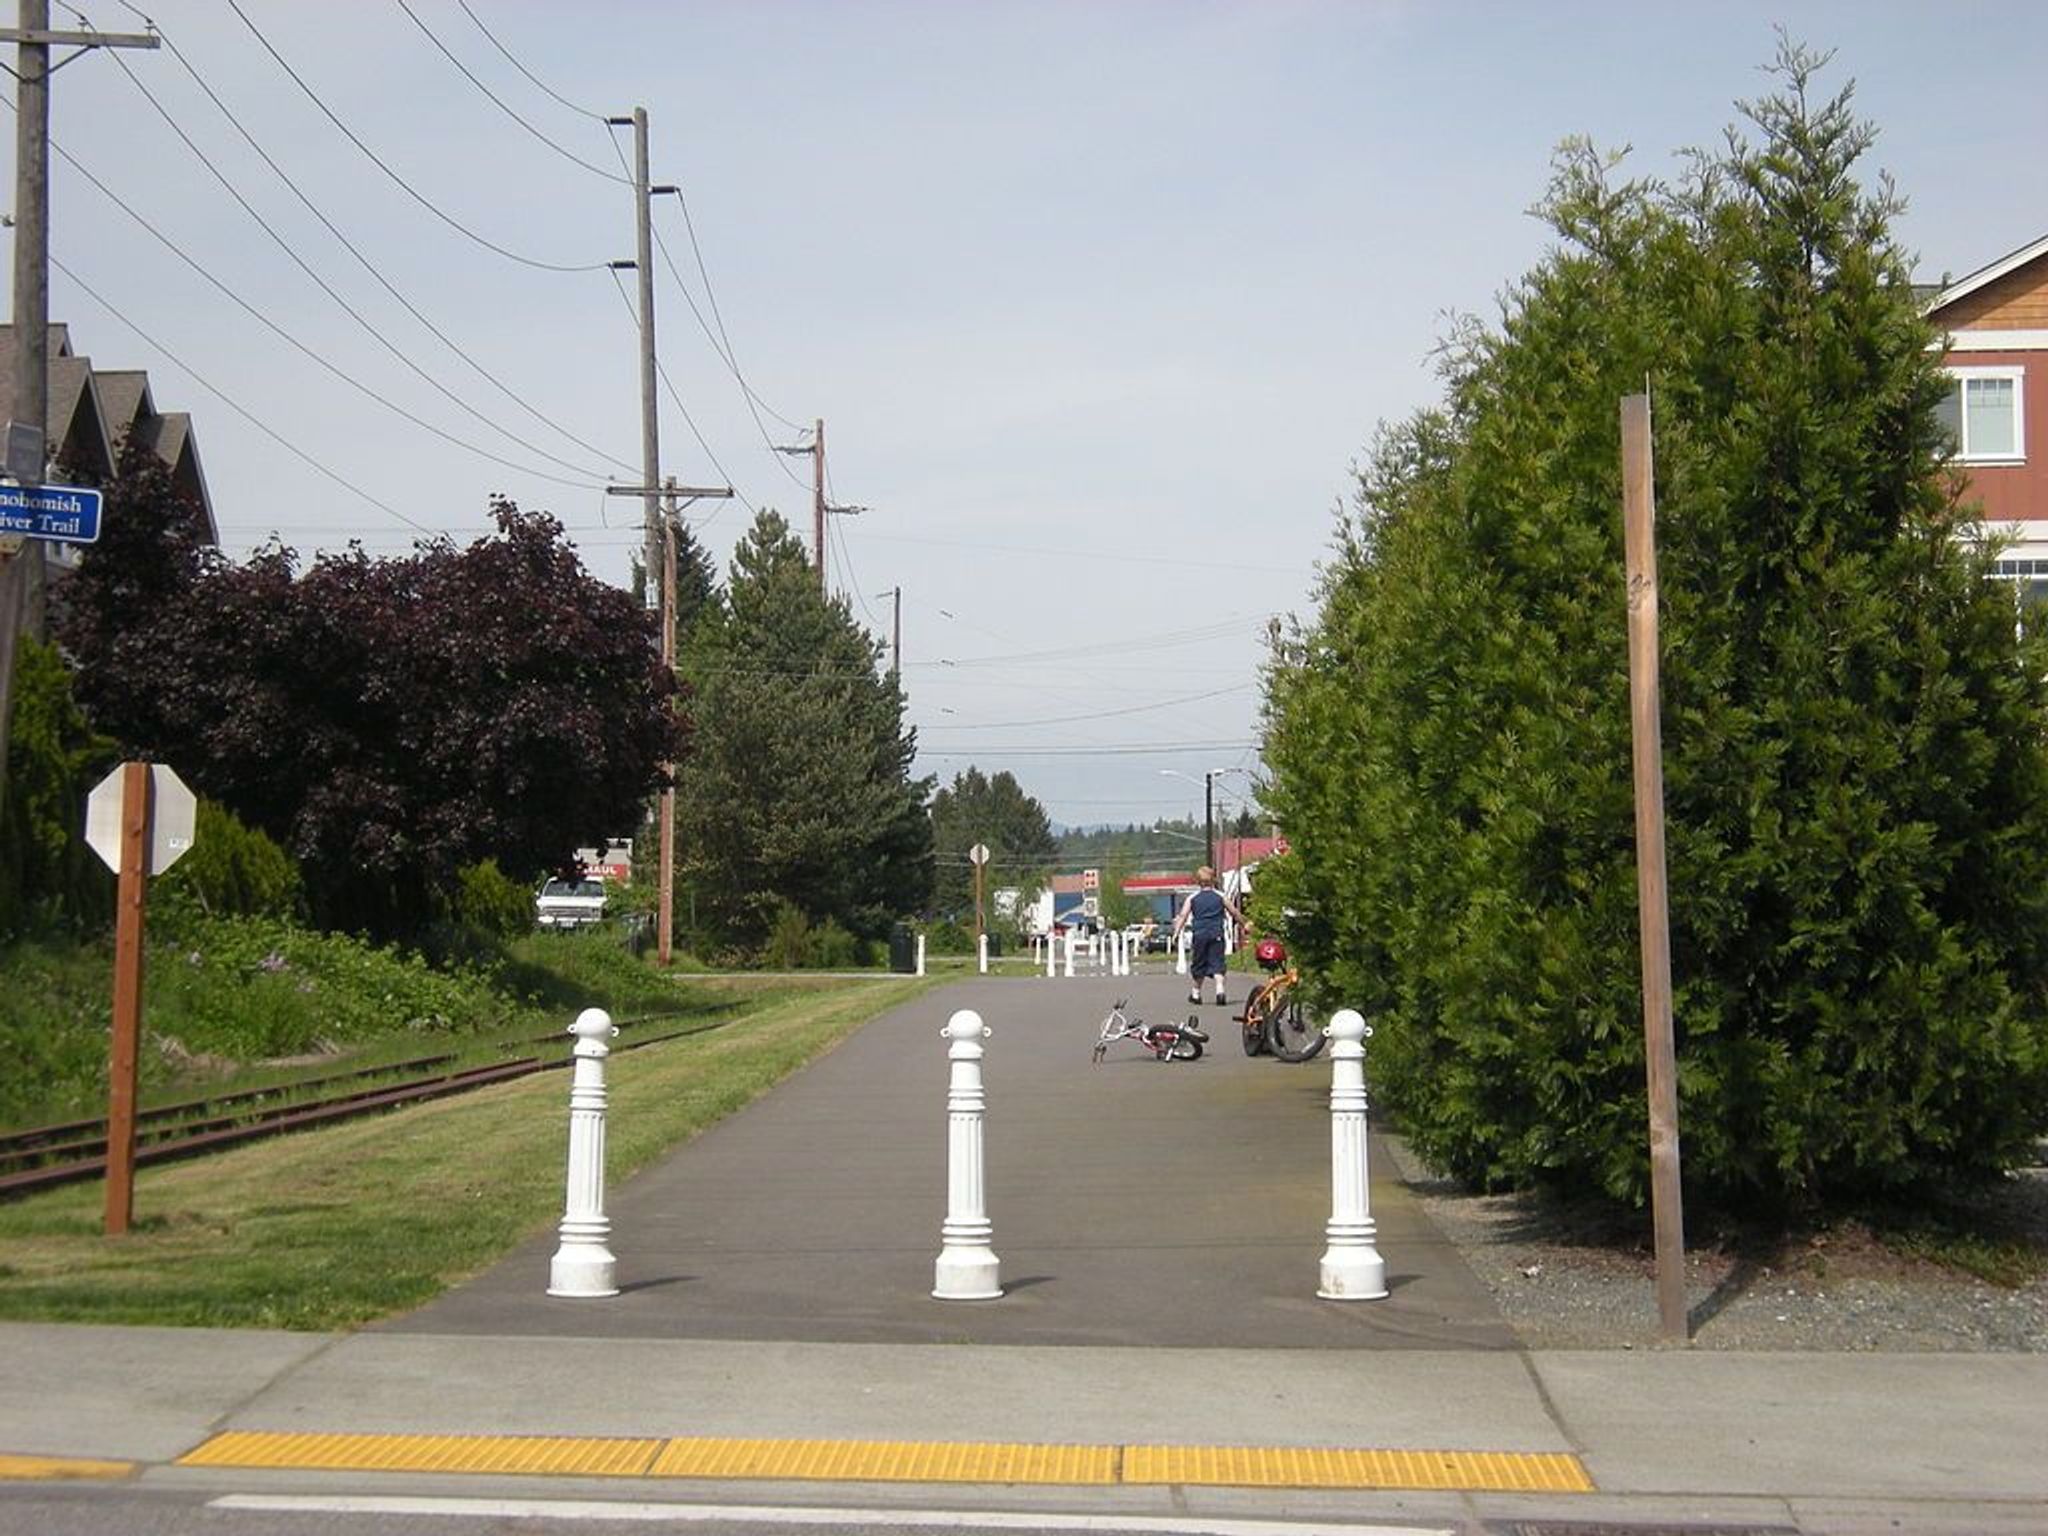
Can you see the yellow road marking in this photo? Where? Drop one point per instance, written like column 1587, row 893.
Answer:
column 56, row 1467
column 900, row 1461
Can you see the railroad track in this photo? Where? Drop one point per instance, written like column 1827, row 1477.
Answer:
column 46, row 1155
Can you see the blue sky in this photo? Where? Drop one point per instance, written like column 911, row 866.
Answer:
column 1099, row 301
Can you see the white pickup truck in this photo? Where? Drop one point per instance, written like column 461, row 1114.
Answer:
column 569, row 903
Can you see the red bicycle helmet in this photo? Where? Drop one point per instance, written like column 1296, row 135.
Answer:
column 1271, row 953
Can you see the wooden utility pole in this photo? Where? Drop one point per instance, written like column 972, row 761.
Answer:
column 1639, row 513
column 820, row 507
column 673, row 498
column 818, row 500
column 26, row 451
column 896, row 633
column 665, row 904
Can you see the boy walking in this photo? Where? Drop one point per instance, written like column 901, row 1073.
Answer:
column 1202, row 915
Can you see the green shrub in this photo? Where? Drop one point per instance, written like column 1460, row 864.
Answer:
column 788, row 944
column 491, row 902
column 231, row 870
column 48, row 876
column 948, row 939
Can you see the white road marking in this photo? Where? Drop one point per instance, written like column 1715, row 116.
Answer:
column 768, row 1514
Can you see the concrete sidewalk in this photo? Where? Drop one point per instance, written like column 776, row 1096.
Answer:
column 1815, row 1443
column 1159, row 1352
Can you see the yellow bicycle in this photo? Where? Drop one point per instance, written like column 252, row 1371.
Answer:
column 1274, row 1021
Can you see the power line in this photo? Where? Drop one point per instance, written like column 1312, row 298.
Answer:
column 1103, row 749
column 350, row 246
column 1102, row 714
column 254, row 313
column 1068, row 554
column 721, row 342
column 405, row 186
column 499, row 103
column 325, row 287
column 221, row 395
column 530, row 75
column 688, row 420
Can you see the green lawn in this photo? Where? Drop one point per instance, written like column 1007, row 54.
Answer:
column 332, row 1228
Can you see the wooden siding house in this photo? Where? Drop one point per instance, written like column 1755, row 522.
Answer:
column 1996, row 352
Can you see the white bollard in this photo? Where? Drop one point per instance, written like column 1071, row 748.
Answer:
column 920, row 954
column 1180, row 959
column 1352, row 1267
column 1052, row 957
column 981, row 944
column 583, row 1265
column 1120, row 954
column 1070, row 954
column 967, row 1265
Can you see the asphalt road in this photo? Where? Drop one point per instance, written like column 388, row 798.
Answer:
column 1134, row 1202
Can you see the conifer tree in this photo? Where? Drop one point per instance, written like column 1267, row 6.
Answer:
column 1856, row 790
column 799, row 789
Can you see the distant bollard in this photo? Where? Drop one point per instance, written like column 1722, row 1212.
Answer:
column 1071, row 941
column 1052, row 956
column 967, row 1265
column 583, row 1265
column 1180, row 957
column 920, row 954
column 981, row 946
column 1120, row 954
column 1352, row 1267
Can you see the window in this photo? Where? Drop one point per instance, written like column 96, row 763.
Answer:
column 1983, row 414
column 2029, row 581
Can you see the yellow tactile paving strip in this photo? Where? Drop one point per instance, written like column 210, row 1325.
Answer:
column 901, row 1461
column 57, row 1468
column 889, row 1461
column 1284, row 1467
column 568, row 1456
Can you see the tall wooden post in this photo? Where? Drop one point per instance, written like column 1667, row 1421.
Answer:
column 665, row 900
column 1639, row 527
column 136, row 808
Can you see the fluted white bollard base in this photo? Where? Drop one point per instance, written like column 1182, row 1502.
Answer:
column 586, row 1269
column 966, row 1274
column 1353, row 1274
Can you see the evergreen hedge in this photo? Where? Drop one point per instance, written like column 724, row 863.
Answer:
column 1854, row 770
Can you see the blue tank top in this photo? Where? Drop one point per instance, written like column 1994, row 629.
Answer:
column 1205, row 913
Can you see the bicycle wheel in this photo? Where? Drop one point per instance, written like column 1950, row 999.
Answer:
column 1294, row 1037
column 1186, row 1048
column 1255, row 1043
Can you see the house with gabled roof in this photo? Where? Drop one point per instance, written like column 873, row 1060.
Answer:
column 1996, row 354
column 92, row 410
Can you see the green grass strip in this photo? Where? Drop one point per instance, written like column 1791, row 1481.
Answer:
column 332, row 1228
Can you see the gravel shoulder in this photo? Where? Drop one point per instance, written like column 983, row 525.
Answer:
column 1563, row 1287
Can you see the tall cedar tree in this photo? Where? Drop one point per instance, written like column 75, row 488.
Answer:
column 1852, row 730
column 799, row 787
column 387, row 721
column 997, row 813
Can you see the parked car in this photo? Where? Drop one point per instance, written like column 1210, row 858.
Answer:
column 569, row 903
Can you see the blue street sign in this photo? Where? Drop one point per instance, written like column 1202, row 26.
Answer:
column 70, row 514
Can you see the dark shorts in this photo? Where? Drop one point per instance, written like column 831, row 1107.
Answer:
column 1205, row 955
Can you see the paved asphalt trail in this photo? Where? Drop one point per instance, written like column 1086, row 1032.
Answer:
column 1134, row 1203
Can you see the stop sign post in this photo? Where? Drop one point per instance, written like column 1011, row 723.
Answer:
column 139, row 819
column 978, row 854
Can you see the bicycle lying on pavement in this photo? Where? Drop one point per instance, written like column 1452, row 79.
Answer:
column 1273, row 1018
column 1176, row 1040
